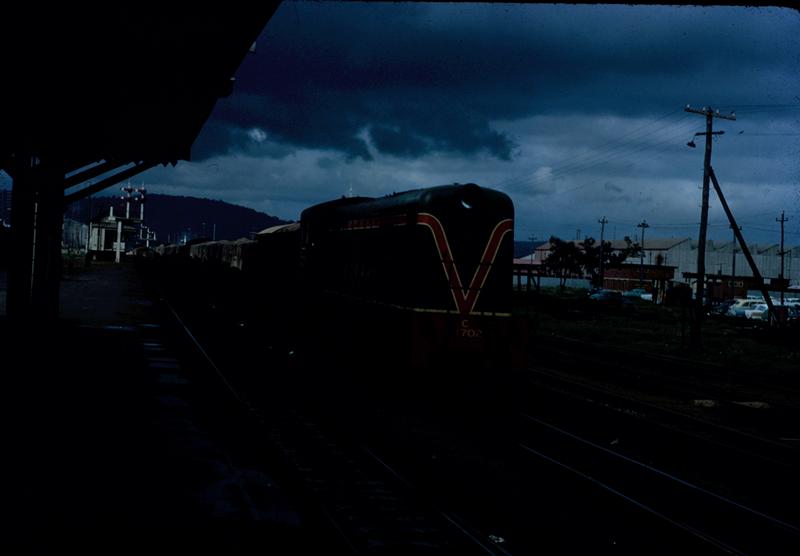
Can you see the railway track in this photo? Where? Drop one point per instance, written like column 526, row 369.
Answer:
column 768, row 412
column 682, row 513
column 738, row 443
column 521, row 484
column 509, row 508
column 679, row 373
column 533, row 504
column 734, row 488
column 721, row 522
column 366, row 505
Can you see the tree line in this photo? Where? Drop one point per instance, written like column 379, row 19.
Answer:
column 569, row 259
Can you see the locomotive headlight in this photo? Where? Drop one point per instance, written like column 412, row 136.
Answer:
column 470, row 196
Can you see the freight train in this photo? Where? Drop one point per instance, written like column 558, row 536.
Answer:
column 416, row 280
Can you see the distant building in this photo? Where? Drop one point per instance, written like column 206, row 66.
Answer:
column 681, row 254
column 104, row 232
column 74, row 236
column 654, row 278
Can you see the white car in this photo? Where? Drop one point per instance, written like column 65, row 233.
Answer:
column 638, row 293
column 759, row 311
column 738, row 309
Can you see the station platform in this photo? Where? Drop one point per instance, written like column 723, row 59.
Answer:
column 105, row 449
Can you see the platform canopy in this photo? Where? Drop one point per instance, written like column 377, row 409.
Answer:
column 101, row 92
column 122, row 83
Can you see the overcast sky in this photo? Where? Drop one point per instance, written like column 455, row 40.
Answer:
column 575, row 111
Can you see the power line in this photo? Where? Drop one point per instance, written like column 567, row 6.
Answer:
column 576, row 163
column 716, row 224
column 738, row 106
column 761, row 108
column 668, row 140
column 675, row 132
column 745, row 134
column 604, row 157
column 629, row 134
column 772, row 230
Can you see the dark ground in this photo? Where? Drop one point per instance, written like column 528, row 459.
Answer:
column 106, row 442
column 115, row 442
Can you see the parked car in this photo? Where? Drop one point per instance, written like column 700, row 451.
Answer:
column 722, row 307
column 605, row 293
column 636, row 292
column 760, row 312
column 611, row 298
column 738, row 309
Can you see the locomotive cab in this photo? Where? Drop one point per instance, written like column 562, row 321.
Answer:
column 420, row 279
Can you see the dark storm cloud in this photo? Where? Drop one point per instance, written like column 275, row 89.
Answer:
column 219, row 138
column 416, row 79
column 398, row 142
column 575, row 111
column 215, row 138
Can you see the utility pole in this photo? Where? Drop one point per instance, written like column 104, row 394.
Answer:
column 733, row 262
column 603, row 221
column 701, row 244
column 643, row 225
column 142, row 191
column 782, row 219
column 118, row 255
column 127, row 189
column 532, row 238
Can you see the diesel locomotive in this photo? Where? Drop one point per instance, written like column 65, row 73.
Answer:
column 415, row 280
column 421, row 278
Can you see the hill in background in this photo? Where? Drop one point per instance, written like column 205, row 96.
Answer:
column 177, row 217
column 171, row 216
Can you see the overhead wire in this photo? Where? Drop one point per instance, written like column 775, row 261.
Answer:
column 632, row 138
column 649, row 146
column 604, row 157
column 632, row 145
column 617, row 150
column 738, row 106
column 759, row 108
column 671, row 137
